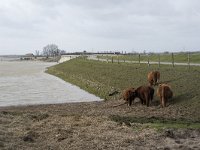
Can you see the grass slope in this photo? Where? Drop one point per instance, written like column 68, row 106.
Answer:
column 102, row 78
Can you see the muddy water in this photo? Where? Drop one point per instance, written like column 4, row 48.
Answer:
column 25, row 83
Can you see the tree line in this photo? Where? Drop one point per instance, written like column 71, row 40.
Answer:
column 50, row 50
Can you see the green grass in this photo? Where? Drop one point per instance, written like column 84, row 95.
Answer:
column 157, row 123
column 179, row 57
column 102, row 78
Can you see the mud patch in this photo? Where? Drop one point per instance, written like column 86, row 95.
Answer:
column 30, row 136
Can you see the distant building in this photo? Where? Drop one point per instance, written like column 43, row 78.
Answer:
column 29, row 56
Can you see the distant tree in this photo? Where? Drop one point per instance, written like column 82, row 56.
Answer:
column 166, row 52
column 51, row 50
column 62, row 52
column 37, row 52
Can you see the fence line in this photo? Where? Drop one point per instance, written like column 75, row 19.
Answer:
column 186, row 59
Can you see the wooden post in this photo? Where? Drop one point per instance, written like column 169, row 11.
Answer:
column 189, row 60
column 107, row 58
column 118, row 59
column 148, row 60
column 173, row 59
column 139, row 59
column 158, row 60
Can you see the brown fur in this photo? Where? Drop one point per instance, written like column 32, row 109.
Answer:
column 164, row 92
column 144, row 93
column 128, row 95
column 153, row 77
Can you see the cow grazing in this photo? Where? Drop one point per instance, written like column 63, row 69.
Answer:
column 164, row 92
column 153, row 77
column 128, row 95
column 144, row 93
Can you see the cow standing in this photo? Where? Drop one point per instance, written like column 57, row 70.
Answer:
column 128, row 95
column 144, row 93
column 164, row 92
column 153, row 77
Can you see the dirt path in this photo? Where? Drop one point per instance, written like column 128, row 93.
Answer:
column 91, row 126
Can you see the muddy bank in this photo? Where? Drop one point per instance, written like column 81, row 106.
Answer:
column 92, row 126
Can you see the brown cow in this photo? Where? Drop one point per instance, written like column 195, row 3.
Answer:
column 164, row 92
column 144, row 93
column 128, row 95
column 153, row 77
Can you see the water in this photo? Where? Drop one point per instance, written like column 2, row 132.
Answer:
column 25, row 83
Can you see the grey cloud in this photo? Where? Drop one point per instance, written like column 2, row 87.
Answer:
column 84, row 24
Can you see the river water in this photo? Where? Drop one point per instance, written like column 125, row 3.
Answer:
column 25, row 83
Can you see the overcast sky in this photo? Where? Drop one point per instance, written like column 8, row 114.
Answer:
column 99, row 25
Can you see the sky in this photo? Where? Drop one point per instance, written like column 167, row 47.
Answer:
column 99, row 25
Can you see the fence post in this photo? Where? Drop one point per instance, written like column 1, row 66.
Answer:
column 189, row 60
column 139, row 59
column 107, row 58
column 148, row 60
column 158, row 60
column 173, row 59
column 118, row 59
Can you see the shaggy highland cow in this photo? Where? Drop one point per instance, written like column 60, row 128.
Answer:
column 128, row 95
column 153, row 77
column 144, row 93
column 164, row 92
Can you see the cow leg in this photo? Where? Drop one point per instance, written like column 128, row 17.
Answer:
column 142, row 101
column 163, row 102
column 147, row 102
column 129, row 102
column 147, row 99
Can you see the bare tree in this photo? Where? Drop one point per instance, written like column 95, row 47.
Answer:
column 62, row 52
column 51, row 50
column 37, row 52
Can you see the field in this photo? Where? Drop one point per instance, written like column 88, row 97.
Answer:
column 178, row 57
column 101, row 79
column 101, row 125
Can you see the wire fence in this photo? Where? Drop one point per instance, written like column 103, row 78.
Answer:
column 170, row 59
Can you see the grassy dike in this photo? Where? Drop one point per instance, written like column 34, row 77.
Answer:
column 102, row 78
